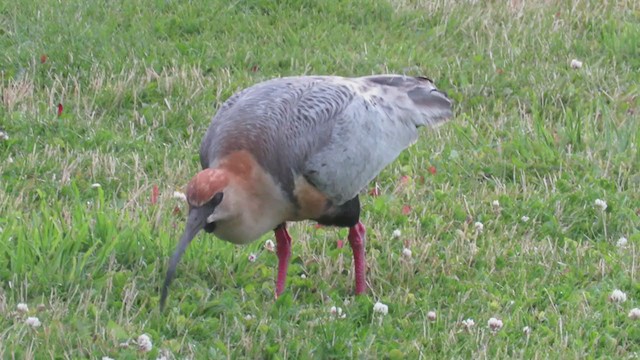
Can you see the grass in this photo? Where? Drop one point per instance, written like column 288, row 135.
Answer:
column 139, row 82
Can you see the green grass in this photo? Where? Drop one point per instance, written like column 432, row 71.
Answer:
column 139, row 82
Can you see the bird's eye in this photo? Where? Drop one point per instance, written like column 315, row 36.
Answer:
column 216, row 199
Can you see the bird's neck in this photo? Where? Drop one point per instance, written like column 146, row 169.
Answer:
column 257, row 202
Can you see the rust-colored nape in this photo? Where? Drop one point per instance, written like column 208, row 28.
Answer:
column 205, row 185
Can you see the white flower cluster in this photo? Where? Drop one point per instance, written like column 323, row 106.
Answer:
column 468, row 324
column 432, row 316
column 144, row 343
column 618, row 296
column 380, row 308
column 337, row 312
column 179, row 195
column 33, row 321
column 576, row 64
column 269, row 245
column 601, row 204
column 622, row 242
column 495, row 324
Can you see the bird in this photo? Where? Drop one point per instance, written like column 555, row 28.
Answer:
column 301, row 148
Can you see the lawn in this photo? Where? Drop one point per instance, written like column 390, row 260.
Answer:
column 524, row 208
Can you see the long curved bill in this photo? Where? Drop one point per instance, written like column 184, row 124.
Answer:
column 195, row 222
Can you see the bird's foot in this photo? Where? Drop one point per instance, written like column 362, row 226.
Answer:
column 283, row 250
column 357, row 241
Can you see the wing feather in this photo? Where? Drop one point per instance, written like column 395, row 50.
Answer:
column 379, row 123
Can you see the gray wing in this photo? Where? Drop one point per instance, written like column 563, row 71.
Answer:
column 380, row 121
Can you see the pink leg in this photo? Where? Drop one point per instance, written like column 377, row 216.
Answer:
column 356, row 240
column 283, row 250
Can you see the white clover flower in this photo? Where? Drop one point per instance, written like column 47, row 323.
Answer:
column 495, row 324
column 22, row 308
column 396, row 233
column 269, row 245
column 144, row 343
column 601, row 204
column 380, row 308
column 179, row 195
column 525, row 218
column 526, row 330
column 33, row 321
column 106, row 358
column 468, row 324
column 406, row 252
column 618, row 296
column 576, row 64
column 622, row 242
column 337, row 312
column 634, row 314
column 479, row 226
column 303, row 276
column 431, row 315
column 10, row 160
column 3, row 135
column 95, row 185
column 252, row 257
column 495, row 204
column 249, row 317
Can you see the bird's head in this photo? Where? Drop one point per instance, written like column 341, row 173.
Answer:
column 210, row 198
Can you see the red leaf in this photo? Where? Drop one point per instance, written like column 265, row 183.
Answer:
column 375, row 191
column 43, row 58
column 176, row 210
column 60, row 108
column 255, row 68
column 500, row 71
column 154, row 194
column 404, row 179
column 340, row 244
column 318, row 226
column 432, row 170
column 406, row 209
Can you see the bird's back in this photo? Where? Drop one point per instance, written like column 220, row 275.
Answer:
column 336, row 132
